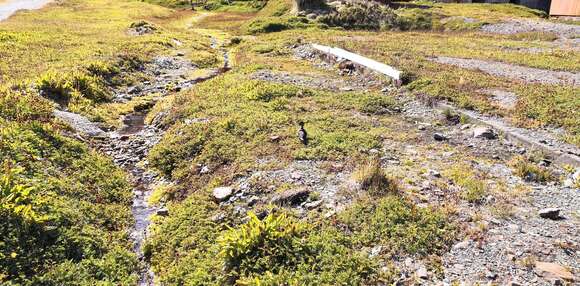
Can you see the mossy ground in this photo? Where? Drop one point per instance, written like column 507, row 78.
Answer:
column 81, row 201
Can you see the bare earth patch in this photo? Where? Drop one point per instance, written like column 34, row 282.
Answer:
column 521, row 73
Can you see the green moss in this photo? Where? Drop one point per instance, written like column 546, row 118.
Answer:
column 399, row 225
column 474, row 188
column 81, row 206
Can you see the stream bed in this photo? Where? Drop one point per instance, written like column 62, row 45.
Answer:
column 129, row 145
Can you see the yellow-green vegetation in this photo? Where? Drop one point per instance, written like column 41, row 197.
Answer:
column 538, row 104
column 473, row 186
column 244, row 113
column 530, row 171
column 64, row 210
column 189, row 248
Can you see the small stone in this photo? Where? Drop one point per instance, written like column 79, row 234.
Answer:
column 484, row 132
column 313, row 205
column 513, row 283
column 275, row 138
column 218, row 217
column 422, row 272
column 222, row 193
column 180, row 54
column 422, row 127
column 346, row 88
column 440, row 137
column 290, row 197
column 375, row 251
column 163, row 212
column 204, row 170
column 296, row 176
column 435, row 173
column 490, row 275
column 550, row 213
column 465, row 126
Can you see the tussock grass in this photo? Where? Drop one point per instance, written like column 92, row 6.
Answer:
column 374, row 179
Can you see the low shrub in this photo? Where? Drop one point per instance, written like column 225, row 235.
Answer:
column 530, row 171
column 62, row 206
column 474, row 188
column 23, row 105
column 275, row 24
column 397, row 224
column 362, row 16
column 62, row 87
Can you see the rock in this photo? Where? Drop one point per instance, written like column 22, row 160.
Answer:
column 440, row 137
column 311, row 16
column 513, row 283
column 346, row 88
column 290, row 197
column 275, row 138
column 134, row 89
column 163, row 212
column 465, row 126
column 296, row 176
column 221, row 194
column 375, row 251
column 313, row 205
column 553, row 270
column 550, row 213
column 204, row 170
column 218, row 217
column 422, row 272
column 484, row 132
column 490, row 275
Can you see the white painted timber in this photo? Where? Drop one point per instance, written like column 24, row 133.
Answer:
column 358, row 59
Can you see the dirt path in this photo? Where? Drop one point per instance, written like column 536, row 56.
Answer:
column 521, row 73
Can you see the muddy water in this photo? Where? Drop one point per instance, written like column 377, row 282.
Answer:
column 9, row 7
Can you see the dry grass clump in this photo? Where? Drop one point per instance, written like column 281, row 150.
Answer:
column 374, row 179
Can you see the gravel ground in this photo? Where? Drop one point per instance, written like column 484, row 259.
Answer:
column 521, row 73
column 315, row 81
column 522, row 25
column 80, row 123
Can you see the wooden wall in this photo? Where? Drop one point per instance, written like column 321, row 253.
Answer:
column 565, row 8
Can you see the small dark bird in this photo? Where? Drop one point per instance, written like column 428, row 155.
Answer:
column 302, row 135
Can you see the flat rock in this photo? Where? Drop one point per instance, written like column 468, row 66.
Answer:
column 484, row 132
column 221, row 194
column 163, row 212
column 553, row 270
column 440, row 137
column 422, row 272
column 291, row 197
column 550, row 213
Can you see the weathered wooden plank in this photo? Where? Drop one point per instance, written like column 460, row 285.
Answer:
column 358, row 59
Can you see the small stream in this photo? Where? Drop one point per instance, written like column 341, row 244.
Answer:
column 9, row 7
column 131, row 143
